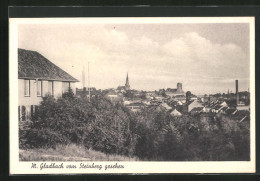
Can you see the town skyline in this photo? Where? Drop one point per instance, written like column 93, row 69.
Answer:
column 206, row 58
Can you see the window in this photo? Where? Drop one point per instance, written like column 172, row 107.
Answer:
column 39, row 88
column 65, row 87
column 27, row 88
column 50, row 87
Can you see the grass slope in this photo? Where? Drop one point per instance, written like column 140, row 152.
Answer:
column 69, row 153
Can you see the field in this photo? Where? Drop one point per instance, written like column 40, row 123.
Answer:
column 70, row 152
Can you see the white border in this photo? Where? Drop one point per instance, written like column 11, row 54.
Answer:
column 17, row 167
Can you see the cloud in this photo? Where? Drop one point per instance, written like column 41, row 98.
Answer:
column 189, row 58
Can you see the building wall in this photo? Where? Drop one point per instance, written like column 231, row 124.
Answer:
column 27, row 103
column 57, row 86
column 173, row 94
column 33, row 99
column 44, row 87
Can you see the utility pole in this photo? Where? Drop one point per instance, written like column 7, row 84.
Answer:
column 83, row 77
column 88, row 84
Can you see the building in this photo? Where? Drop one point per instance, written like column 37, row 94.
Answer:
column 194, row 104
column 165, row 106
column 175, row 113
column 197, row 110
column 38, row 77
column 177, row 94
column 135, row 107
column 114, row 97
column 181, row 98
column 124, row 88
column 127, row 84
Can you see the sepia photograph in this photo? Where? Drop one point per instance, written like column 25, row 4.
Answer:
column 132, row 91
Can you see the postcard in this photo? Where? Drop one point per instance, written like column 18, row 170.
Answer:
column 132, row 95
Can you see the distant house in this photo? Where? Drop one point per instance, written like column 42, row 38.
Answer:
column 194, row 104
column 159, row 98
column 240, row 107
column 196, row 110
column 37, row 77
column 135, row 107
column 165, row 106
column 224, row 109
column 125, row 88
column 175, row 92
column 121, row 89
column 179, row 103
column 217, row 108
column 207, row 109
column 231, row 111
column 211, row 98
column 175, row 113
column 193, row 97
column 181, row 98
column 114, row 97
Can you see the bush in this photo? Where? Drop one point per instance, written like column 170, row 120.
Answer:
column 97, row 124
column 149, row 134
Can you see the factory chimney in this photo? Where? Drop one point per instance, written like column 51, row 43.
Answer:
column 83, row 77
column 237, row 96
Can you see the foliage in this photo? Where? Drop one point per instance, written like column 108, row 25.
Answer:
column 97, row 124
column 148, row 135
column 200, row 137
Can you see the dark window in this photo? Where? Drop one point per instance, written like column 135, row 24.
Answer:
column 23, row 113
column 32, row 110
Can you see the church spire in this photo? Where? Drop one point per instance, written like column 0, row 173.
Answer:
column 127, row 85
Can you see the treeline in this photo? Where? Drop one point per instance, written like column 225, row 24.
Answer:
column 149, row 134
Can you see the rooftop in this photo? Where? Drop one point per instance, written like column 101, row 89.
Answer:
column 33, row 65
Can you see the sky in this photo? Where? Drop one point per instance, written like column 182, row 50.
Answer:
column 205, row 58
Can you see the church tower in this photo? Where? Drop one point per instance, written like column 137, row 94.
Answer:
column 127, row 85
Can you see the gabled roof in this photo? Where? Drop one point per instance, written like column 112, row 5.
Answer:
column 195, row 103
column 175, row 113
column 33, row 65
column 135, row 104
column 164, row 105
column 111, row 93
column 120, row 87
column 171, row 90
column 197, row 109
column 179, row 96
column 230, row 111
column 225, row 108
column 218, row 107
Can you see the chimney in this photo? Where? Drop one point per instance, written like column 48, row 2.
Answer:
column 83, row 77
column 237, row 96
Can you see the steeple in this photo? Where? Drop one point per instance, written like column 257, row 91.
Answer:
column 127, row 85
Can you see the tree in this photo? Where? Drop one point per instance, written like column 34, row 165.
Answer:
column 129, row 94
column 163, row 93
column 188, row 96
